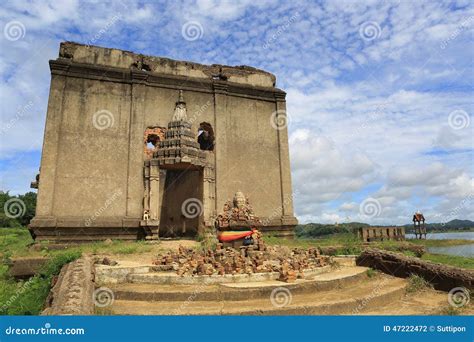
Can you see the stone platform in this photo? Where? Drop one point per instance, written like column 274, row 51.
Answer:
column 345, row 290
column 241, row 290
column 131, row 287
column 338, row 288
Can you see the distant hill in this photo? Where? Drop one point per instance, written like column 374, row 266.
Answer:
column 447, row 226
column 313, row 230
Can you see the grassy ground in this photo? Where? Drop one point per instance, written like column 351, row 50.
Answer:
column 332, row 240
column 28, row 297
column 349, row 244
column 417, row 283
column 15, row 242
column 458, row 261
column 440, row 243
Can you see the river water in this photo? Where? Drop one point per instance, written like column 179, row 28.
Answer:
column 460, row 250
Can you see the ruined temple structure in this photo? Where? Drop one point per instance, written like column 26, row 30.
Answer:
column 141, row 147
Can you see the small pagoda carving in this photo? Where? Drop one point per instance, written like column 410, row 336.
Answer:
column 179, row 145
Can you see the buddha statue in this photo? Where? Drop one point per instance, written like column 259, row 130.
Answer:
column 237, row 214
column 239, row 200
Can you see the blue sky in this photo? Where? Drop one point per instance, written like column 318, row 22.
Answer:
column 379, row 93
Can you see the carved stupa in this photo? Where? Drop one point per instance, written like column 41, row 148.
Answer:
column 179, row 145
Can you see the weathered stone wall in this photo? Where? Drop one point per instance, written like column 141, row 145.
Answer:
column 248, row 156
column 368, row 234
column 441, row 276
column 110, row 57
column 91, row 182
column 74, row 290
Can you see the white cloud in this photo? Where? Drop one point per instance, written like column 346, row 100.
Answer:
column 369, row 118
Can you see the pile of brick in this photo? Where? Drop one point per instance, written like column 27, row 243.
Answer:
column 258, row 258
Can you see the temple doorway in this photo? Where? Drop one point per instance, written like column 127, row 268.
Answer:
column 182, row 206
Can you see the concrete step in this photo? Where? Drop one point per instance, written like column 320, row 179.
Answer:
column 202, row 291
column 135, row 272
column 172, row 278
column 362, row 296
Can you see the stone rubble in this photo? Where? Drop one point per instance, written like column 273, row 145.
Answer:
column 257, row 258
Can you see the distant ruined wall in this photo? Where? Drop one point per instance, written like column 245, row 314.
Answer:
column 368, row 234
column 100, row 104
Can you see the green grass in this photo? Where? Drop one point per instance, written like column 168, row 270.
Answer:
column 115, row 247
column 337, row 244
column 451, row 311
column 15, row 242
column 440, row 243
column 344, row 244
column 452, row 260
column 371, row 273
column 335, row 239
column 346, row 239
column 417, row 283
column 410, row 254
column 28, row 297
column 23, row 297
column 103, row 311
column 125, row 249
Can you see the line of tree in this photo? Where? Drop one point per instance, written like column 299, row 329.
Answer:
column 312, row 230
column 17, row 210
column 459, row 225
